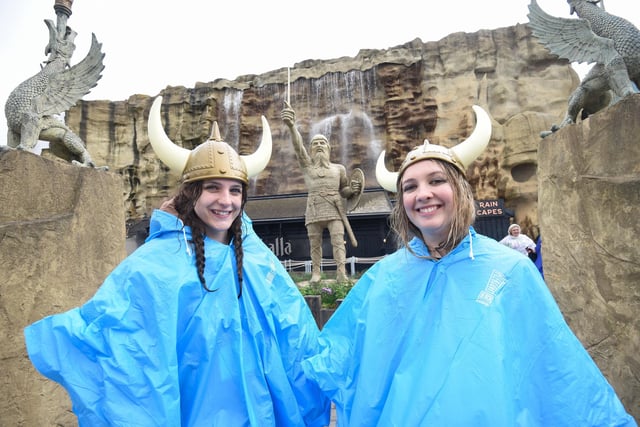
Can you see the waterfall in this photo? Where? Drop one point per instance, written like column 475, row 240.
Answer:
column 231, row 107
column 348, row 125
column 231, row 103
column 346, row 100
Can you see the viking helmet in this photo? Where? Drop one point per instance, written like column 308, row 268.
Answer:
column 211, row 159
column 460, row 156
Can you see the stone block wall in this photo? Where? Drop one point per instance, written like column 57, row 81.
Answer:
column 62, row 230
column 589, row 209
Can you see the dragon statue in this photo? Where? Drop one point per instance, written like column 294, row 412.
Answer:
column 611, row 42
column 32, row 107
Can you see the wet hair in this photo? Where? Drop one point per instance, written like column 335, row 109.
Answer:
column 463, row 205
column 184, row 202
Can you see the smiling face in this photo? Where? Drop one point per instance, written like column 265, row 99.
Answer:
column 428, row 200
column 218, row 206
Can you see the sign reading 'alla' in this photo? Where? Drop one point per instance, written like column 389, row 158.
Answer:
column 279, row 247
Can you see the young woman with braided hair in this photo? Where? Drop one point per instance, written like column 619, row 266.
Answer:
column 183, row 205
column 201, row 325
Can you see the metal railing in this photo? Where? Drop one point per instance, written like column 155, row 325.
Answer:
column 293, row 265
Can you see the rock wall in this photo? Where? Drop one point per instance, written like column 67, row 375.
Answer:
column 61, row 232
column 379, row 100
column 589, row 208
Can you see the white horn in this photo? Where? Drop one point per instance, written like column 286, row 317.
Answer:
column 471, row 148
column 385, row 178
column 172, row 155
column 257, row 161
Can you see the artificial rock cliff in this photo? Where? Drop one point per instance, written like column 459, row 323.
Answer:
column 388, row 99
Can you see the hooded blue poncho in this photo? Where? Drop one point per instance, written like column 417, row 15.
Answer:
column 153, row 348
column 474, row 339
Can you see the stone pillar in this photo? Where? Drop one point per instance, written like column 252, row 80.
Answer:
column 62, row 231
column 589, row 210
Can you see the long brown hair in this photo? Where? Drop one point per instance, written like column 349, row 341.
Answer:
column 184, row 203
column 463, row 206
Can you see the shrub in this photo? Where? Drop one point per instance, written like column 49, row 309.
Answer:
column 330, row 291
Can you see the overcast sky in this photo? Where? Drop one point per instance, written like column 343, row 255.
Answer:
column 151, row 44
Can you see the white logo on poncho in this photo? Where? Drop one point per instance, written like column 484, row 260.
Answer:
column 495, row 283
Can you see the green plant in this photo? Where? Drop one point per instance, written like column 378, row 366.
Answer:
column 329, row 290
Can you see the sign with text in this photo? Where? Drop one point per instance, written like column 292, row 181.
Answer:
column 491, row 207
column 280, row 247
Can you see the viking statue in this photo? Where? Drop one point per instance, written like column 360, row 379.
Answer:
column 32, row 107
column 327, row 186
column 611, row 42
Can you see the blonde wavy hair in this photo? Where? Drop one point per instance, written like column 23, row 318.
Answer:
column 463, row 206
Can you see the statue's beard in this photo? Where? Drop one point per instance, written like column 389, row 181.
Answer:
column 320, row 159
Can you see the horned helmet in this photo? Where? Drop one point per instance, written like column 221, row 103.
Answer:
column 460, row 156
column 211, row 159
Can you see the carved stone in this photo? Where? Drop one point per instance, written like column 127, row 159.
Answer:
column 33, row 107
column 61, row 232
column 610, row 42
column 589, row 208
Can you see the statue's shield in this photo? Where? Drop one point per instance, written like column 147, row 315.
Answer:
column 358, row 176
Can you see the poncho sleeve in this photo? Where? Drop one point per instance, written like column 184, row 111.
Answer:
column 335, row 368
column 287, row 316
column 557, row 381
column 115, row 355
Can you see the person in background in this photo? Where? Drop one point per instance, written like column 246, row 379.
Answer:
column 454, row 329
column 201, row 325
column 520, row 242
column 538, row 260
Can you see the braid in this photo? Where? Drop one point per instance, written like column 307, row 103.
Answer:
column 198, row 243
column 236, row 229
column 184, row 203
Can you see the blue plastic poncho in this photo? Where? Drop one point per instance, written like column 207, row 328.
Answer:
column 153, row 348
column 475, row 339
